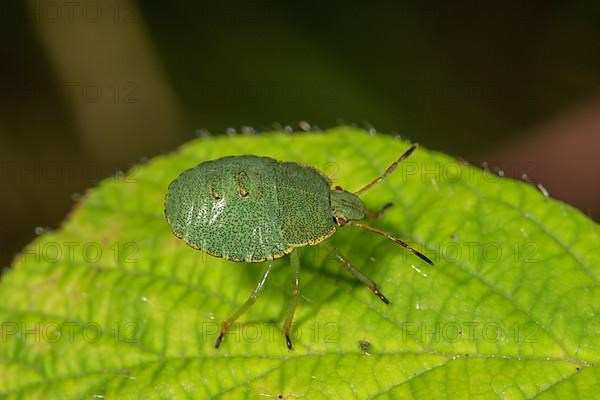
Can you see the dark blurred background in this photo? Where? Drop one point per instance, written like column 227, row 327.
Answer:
column 89, row 87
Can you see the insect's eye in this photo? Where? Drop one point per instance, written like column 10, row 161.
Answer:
column 341, row 221
column 338, row 189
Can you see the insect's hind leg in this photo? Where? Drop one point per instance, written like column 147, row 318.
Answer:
column 255, row 293
column 289, row 316
column 359, row 275
column 372, row 215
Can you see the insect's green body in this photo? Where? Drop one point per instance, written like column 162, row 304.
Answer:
column 252, row 209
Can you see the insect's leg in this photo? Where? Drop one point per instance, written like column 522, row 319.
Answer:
column 289, row 316
column 255, row 293
column 393, row 239
column 377, row 214
column 359, row 275
column 388, row 171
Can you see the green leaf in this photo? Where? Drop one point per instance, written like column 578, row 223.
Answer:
column 113, row 305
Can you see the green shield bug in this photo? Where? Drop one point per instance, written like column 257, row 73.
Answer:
column 254, row 209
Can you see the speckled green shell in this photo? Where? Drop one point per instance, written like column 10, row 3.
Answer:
column 249, row 208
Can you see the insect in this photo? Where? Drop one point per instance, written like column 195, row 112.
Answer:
column 257, row 209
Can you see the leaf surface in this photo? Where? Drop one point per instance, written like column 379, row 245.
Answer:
column 113, row 305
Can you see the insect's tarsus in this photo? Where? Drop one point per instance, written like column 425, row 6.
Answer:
column 381, row 296
column 219, row 340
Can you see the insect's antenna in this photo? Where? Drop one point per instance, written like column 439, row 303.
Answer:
column 388, row 171
column 392, row 238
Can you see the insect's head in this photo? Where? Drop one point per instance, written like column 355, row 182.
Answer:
column 346, row 206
